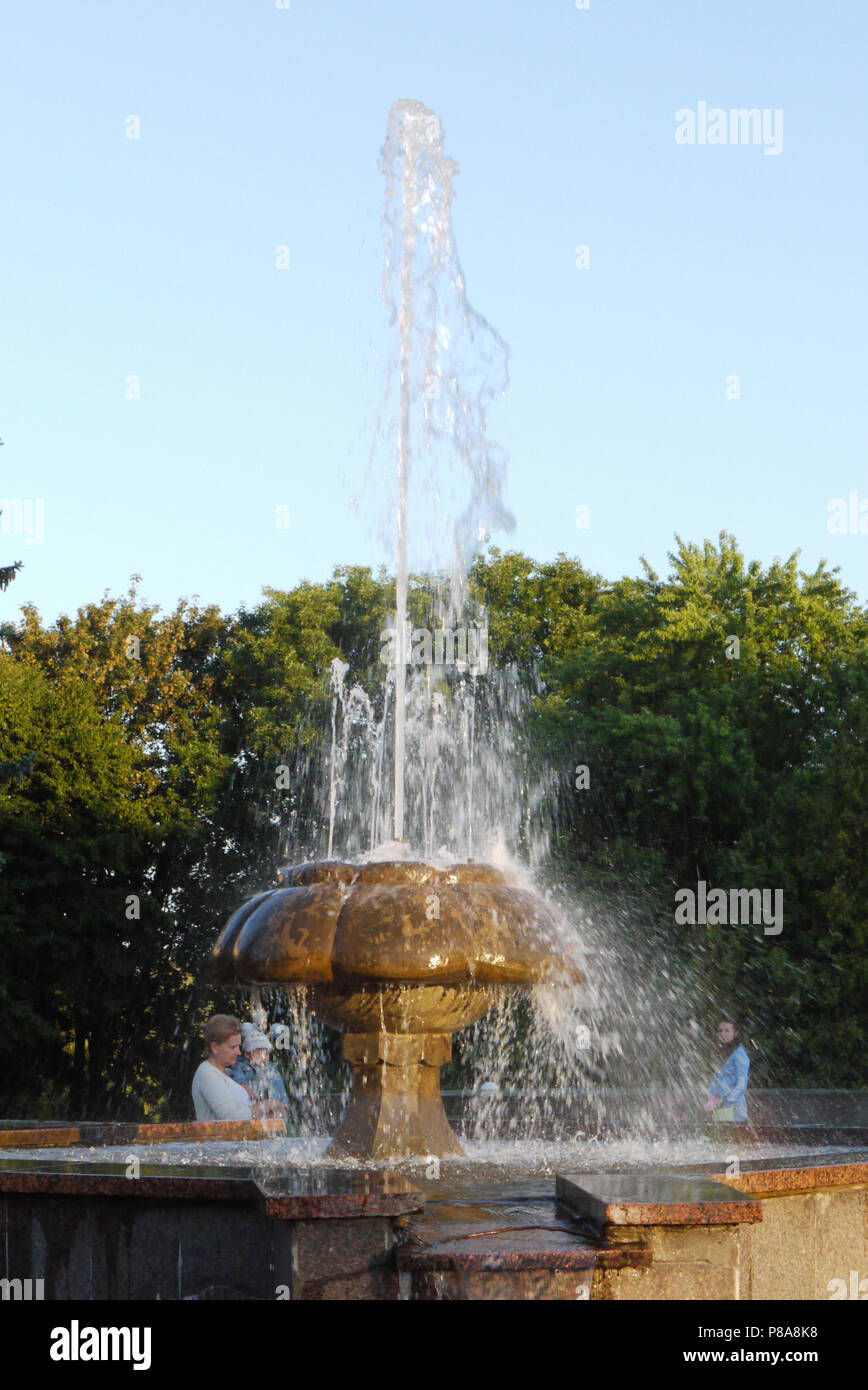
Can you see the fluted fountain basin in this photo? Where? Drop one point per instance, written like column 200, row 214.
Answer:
column 399, row 955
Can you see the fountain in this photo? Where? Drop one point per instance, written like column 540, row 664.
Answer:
column 400, row 955
column 402, row 942
column 401, row 952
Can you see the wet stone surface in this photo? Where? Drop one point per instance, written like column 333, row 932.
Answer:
column 624, row 1199
column 291, row 1194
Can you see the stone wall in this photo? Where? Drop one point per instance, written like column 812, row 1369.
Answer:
column 813, row 1232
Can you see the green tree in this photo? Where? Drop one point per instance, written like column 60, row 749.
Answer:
column 706, row 757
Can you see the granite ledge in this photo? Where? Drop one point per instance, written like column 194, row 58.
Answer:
column 457, row 1255
column 286, row 1197
column 622, row 1199
column 94, row 1135
column 95, row 1184
column 341, row 1195
column 771, row 1182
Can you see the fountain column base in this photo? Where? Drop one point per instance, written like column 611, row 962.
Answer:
column 396, row 1110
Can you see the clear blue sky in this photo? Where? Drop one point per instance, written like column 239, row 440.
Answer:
column 261, row 126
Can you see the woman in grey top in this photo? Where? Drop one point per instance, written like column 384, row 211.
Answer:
column 215, row 1095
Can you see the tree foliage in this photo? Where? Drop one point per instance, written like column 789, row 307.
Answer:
column 139, row 802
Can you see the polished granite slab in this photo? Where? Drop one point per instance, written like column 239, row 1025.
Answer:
column 777, row 1181
column 288, row 1195
column 523, row 1231
column 337, row 1192
column 625, row 1199
column 19, row 1134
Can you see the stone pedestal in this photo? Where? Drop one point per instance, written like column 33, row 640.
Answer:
column 401, row 953
column 395, row 1109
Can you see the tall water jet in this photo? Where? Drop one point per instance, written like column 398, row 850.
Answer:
column 448, row 365
column 416, row 134
column 401, row 953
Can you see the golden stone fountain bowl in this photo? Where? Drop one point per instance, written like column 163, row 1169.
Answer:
column 399, row 955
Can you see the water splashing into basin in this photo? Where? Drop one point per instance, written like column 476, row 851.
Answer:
column 405, row 939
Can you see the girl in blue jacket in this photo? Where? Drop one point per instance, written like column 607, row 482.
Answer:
column 727, row 1094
